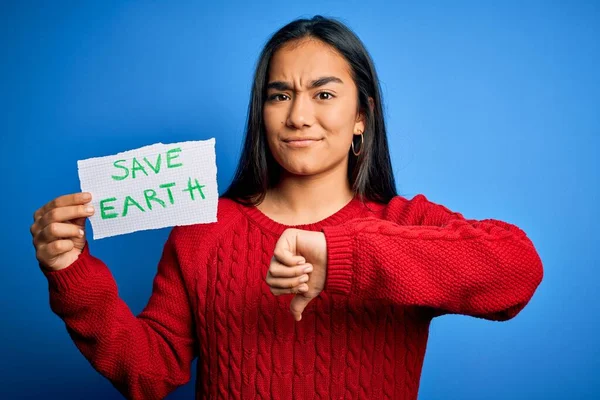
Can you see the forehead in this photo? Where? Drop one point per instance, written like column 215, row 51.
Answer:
column 307, row 59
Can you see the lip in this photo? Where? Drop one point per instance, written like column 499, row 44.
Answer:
column 300, row 141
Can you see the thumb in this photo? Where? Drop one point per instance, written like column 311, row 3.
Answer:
column 298, row 304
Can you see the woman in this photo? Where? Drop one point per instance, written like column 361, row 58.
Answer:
column 318, row 280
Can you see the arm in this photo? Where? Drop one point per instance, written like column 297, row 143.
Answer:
column 144, row 357
column 422, row 254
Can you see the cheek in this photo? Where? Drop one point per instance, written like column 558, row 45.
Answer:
column 337, row 119
column 274, row 114
column 339, row 133
column 273, row 124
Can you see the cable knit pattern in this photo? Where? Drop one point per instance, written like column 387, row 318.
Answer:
column 391, row 269
column 322, row 348
column 389, row 355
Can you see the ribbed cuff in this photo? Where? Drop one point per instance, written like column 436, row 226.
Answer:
column 77, row 272
column 339, row 259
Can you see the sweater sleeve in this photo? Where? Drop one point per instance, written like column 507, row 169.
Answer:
column 144, row 357
column 422, row 254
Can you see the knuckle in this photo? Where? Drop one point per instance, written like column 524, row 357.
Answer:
column 52, row 215
column 38, row 255
column 43, row 220
column 274, row 271
column 59, row 246
column 54, row 247
column 53, row 229
column 36, row 240
column 278, row 253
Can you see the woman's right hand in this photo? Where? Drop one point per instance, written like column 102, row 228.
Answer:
column 58, row 230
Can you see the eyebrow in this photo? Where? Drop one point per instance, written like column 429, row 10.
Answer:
column 280, row 85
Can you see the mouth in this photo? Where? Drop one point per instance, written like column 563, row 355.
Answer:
column 301, row 142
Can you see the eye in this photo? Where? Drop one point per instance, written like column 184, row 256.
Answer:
column 276, row 97
column 330, row 96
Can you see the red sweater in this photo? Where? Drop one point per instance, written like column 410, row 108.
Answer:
column 391, row 269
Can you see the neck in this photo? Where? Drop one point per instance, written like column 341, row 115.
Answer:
column 301, row 199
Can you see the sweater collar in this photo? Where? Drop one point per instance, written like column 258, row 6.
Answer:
column 352, row 209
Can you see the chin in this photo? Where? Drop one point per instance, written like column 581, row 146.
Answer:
column 301, row 170
column 300, row 166
column 308, row 164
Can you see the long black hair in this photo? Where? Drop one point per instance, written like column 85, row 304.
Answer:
column 370, row 174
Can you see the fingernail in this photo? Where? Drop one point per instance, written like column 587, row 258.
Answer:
column 89, row 209
column 303, row 279
column 301, row 261
column 81, row 233
column 308, row 269
column 86, row 196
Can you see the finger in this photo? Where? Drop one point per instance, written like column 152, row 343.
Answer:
column 286, row 257
column 286, row 283
column 279, row 270
column 295, row 290
column 57, row 230
column 55, row 249
column 298, row 304
column 63, row 214
column 34, row 229
column 79, row 222
column 63, row 201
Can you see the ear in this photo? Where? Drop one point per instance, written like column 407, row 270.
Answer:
column 361, row 118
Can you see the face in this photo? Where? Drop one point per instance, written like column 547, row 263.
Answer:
column 310, row 112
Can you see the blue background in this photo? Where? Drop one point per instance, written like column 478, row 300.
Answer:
column 492, row 111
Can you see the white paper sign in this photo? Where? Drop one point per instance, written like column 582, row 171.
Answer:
column 152, row 187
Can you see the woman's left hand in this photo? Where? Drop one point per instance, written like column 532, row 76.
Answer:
column 298, row 266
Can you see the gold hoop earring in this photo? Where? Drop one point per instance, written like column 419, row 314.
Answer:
column 362, row 141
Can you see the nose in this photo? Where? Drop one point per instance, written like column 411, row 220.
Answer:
column 301, row 112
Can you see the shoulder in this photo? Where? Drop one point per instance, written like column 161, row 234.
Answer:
column 412, row 211
column 228, row 213
column 397, row 203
